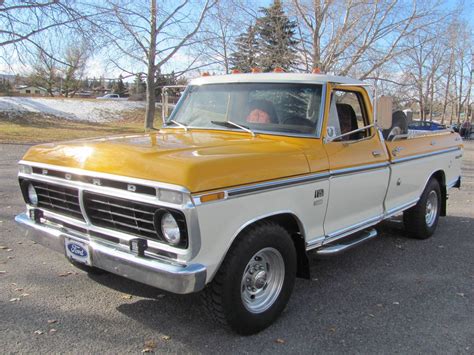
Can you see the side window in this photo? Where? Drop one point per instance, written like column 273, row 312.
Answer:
column 347, row 114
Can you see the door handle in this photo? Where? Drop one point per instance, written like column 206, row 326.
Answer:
column 376, row 153
column 397, row 150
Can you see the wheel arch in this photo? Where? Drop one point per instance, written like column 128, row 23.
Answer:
column 294, row 226
column 440, row 176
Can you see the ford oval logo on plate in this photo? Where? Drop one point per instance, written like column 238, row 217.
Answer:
column 77, row 251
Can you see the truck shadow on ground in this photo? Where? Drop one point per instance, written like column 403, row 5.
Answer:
column 371, row 273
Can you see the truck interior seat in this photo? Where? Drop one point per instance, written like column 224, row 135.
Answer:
column 262, row 111
column 347, row 120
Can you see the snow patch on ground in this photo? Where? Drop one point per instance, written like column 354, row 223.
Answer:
column 73, row 109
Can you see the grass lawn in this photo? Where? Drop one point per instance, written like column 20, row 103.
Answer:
column 39, row 128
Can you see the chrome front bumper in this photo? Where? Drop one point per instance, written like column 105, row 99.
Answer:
column 173, row 278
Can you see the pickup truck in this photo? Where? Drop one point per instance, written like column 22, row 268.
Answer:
column 249, row 174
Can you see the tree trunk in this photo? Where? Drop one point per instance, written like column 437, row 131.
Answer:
column 468, row 98
column 316, row 39
column 151, row 71
column 432, row 95
column 459, row 108
column 446, row 93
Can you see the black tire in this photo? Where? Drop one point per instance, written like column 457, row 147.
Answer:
column 89, row 269
column 223, row 297
column 399, row 125
column 415, row 219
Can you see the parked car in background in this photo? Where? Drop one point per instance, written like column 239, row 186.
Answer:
column 455, row 127
column 426, row 126
column 109, row 97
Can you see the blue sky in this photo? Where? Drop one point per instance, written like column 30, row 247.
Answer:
column 97, row 66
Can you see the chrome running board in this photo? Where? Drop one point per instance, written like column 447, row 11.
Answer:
column 347, row 243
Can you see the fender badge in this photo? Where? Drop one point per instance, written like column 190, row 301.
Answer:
column 319, row 193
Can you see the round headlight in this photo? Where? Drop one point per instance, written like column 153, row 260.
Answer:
column 32, row 196
column 170, row 229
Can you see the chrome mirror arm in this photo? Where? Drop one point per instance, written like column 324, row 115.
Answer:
column 330, row 139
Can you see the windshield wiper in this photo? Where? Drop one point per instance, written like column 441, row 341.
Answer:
column 233, row 124
column 179, row 124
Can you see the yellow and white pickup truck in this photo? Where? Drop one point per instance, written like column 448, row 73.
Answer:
column 248, row 174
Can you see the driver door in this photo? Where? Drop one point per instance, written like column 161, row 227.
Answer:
column 358, row 163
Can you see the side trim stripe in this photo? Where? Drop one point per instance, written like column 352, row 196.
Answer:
column 276, row 184
column 302, row 180
column 357, row 169
column 319, row 176
column 419, row 156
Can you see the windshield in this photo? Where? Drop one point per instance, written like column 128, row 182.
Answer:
column 269, row 107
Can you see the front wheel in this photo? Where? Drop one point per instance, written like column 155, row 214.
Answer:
column 255, row 281
column 422, row 219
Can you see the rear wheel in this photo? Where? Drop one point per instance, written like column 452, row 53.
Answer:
column 255, row 281
column 422, row 219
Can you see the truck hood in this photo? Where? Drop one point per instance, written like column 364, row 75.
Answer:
column 197, row 160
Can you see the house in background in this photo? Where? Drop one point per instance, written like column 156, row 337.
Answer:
column 29, row 90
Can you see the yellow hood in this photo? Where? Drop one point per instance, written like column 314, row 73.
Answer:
column 197, row 160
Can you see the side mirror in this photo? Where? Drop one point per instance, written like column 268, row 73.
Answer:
column 383, row 113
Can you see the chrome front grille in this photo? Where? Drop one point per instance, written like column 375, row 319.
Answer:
column 121, row 215
column 59, row 199
column 105, row 211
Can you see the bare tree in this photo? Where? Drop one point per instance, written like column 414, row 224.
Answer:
column 146, row 37
column 45, row 72
column 356, row 36
column 64, row 72
column 24, row 24
column 421, row 66
column 464, row 72
column 220, row 30
column 76, row 59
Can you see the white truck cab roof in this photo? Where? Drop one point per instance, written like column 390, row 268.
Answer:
column 308, row 78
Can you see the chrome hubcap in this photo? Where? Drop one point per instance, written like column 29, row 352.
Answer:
column 431, row 208
column 262, row 280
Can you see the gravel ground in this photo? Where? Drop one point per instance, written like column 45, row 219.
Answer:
column 391, row 295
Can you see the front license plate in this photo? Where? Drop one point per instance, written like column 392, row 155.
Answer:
column 77, row 251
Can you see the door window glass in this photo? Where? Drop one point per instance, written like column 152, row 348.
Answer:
column 347, row 114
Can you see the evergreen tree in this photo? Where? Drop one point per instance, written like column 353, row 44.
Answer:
column 139, row 85
column 119, row 86
column 276, row 38
column 245, row 57
column 7, row 89
column 94, row 84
